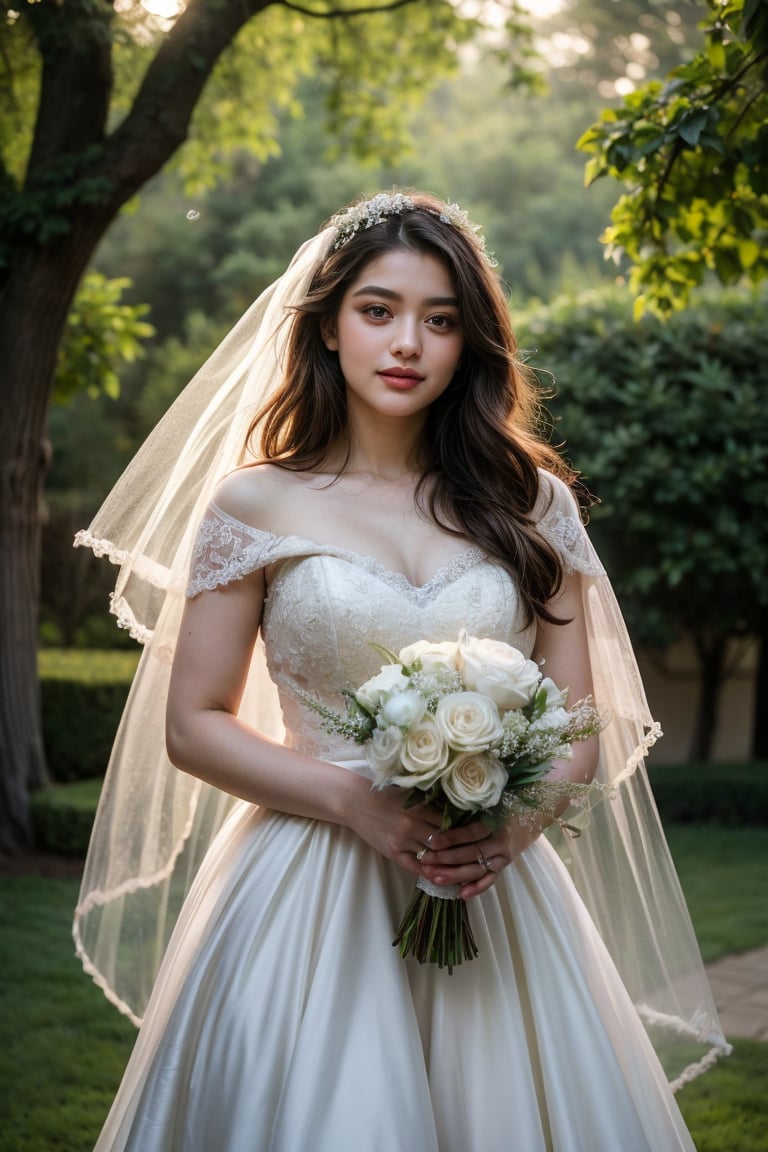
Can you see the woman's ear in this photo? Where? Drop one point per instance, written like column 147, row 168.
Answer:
column 328, row 333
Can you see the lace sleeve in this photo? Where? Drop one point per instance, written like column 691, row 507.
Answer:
column 226, row 550
column 560, row 525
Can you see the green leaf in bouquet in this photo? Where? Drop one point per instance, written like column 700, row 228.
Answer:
column 526, row 773
column 538, row 705
column 385, row 653
column 356, row 709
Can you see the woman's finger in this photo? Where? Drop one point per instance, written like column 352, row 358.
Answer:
column 477, row 868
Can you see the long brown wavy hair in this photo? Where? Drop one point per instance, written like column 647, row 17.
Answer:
column 481, row 449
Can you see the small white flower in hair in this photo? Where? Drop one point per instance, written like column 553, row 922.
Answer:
column 368, row 213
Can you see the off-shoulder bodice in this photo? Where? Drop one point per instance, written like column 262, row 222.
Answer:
column 327, row 606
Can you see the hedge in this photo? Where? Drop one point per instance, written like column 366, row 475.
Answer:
column 712, row 792
column 62, row 817
column 83, row 695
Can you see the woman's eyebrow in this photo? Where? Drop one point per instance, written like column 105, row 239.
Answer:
column 432, row 301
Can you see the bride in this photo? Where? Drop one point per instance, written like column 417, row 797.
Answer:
column 357, row 465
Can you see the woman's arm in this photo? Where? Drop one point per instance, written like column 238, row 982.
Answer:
column 564, row 650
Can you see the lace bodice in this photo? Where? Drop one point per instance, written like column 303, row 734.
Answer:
column 326, row 606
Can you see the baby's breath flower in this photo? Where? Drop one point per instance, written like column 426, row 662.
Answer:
column 432, row 686
column 515, row 725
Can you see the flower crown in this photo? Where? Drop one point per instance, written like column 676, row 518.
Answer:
column 366, row 214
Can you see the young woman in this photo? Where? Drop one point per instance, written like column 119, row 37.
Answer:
column 390, row 489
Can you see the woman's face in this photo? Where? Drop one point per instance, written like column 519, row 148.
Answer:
column 398, row 334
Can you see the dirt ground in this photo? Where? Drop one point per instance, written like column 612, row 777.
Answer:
column 40, row 864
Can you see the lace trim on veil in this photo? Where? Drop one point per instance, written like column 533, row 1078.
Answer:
column 638, row 756
column 703, row 1028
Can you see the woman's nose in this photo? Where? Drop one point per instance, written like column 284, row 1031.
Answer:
column 405, row 338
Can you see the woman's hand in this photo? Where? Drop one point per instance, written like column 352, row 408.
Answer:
column 471, row 855
column 474, row 864
column 411, row 837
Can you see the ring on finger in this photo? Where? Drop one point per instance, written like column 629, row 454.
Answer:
column 485, row 863
column 427, row 846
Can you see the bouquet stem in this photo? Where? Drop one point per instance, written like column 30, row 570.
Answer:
column 436, row 930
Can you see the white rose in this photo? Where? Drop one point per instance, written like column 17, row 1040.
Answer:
column 556, row 697
column 389, row 679
column 382, row 752
column 468, row 721
column 424, row 755
column 402, row 708
column 474, row 781
column 432, row 656
column 497, row 670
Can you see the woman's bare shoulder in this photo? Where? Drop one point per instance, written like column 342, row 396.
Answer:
column 253, row 494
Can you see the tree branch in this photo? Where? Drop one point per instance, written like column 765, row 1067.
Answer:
column 715, row 95
column 335, row 13
column 158, row 122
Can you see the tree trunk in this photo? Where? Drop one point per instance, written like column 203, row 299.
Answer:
column 760, row 720
column 711, row 662
column 33, row 307
column 77, row 179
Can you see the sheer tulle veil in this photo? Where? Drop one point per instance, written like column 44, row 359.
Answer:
column 154, row 823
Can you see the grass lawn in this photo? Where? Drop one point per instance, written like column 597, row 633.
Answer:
column 64, row 1047
column 722, row 871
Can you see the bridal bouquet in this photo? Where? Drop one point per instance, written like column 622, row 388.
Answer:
column 471, row 728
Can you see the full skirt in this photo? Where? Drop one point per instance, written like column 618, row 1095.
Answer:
column 283, row 1020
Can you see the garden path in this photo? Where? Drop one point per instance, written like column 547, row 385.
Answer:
column 740, row 987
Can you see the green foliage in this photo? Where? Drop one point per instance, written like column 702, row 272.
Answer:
column 694, row 154
column 242, row 105
column 102, row 334
column 174, row 364
column 507, row 158
column 41, row 214
column 669, row 425
column 372, row 57
column 376, row 66
column 42, row 187
column 83, row 696
column 19, row 86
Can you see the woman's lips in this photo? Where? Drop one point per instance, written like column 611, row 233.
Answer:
column 402, row 379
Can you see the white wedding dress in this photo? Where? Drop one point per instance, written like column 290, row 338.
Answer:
column 283, row 1020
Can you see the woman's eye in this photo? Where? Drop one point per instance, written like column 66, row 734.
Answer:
column 442, row 322
column 377, row 311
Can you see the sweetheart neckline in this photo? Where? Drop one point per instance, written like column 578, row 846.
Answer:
column 446, row 573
